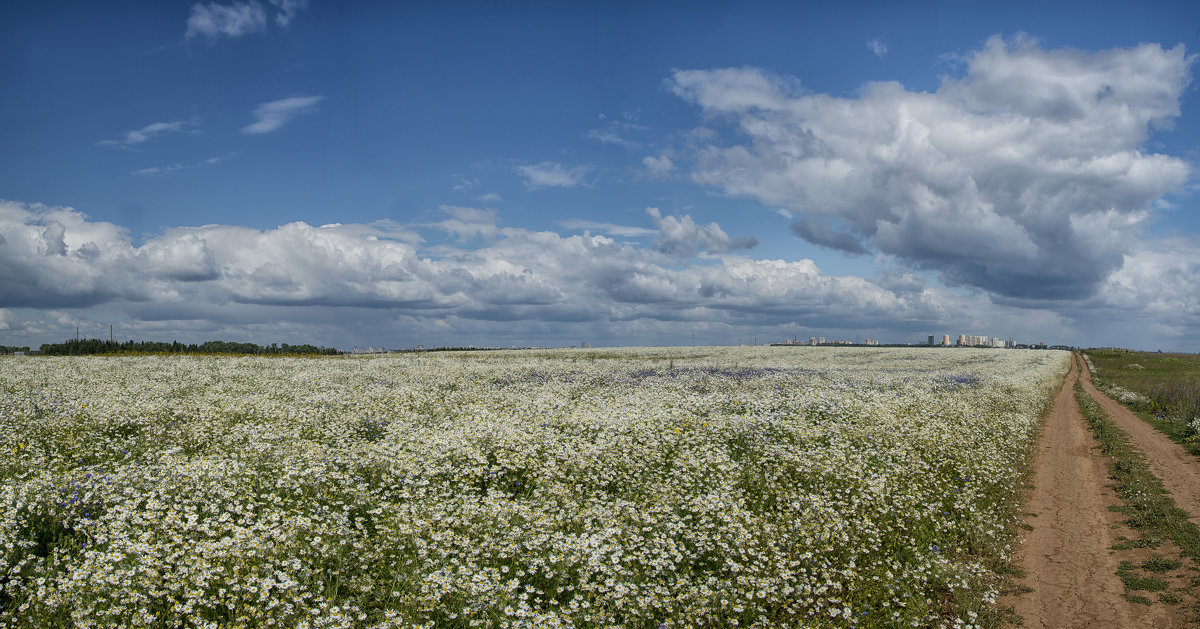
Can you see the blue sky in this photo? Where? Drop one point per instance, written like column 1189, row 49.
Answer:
column 622, row 173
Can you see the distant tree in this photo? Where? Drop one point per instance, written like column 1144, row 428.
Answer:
column 81, row 347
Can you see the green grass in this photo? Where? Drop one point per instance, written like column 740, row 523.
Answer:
column 1170, row 598
column 1150, row 510
column 1121, row 366
column 1135, row 581
column 1168, row 383
column 1159, row 563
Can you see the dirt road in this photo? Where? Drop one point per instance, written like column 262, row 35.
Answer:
column 1067, row 556
column 1178, row 470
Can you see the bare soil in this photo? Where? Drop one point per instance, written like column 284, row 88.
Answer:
column 1067, row 558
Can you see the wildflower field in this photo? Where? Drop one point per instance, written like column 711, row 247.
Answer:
column 676, row 487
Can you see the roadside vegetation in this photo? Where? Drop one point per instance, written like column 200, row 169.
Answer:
column 1160, row 564
column 1164, row 389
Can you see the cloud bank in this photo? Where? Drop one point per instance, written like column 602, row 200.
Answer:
column 54, row 258
column 1028, row 177
column 342, row 283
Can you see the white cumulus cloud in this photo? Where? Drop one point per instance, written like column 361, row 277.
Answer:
column 1027, row 177
column 347, row 282
column 684, row 237
column 57, row 257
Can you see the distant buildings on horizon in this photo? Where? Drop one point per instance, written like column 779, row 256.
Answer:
column 933, row 340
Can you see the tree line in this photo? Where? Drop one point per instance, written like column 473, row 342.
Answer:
column 83, row 347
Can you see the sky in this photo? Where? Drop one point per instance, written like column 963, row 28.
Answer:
column 358, row 174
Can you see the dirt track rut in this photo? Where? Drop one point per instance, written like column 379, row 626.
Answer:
column 1178, row 470
column 1067, row 556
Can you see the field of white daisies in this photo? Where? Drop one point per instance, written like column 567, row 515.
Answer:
column 657, row 487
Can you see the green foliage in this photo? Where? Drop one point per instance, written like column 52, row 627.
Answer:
column 1170, row 598
column 1145, row 584
column 85, row 347
column 1158, row 563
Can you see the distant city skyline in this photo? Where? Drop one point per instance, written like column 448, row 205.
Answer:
column 355, row 174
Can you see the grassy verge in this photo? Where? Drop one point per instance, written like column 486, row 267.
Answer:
column 1179, row 432
column 1170, row 574
column 1163, row 389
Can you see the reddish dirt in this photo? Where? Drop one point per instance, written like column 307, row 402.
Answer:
column 1178, row 470
column 1067, row 557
